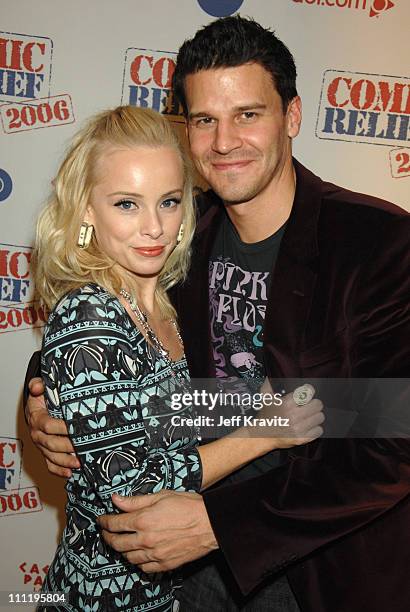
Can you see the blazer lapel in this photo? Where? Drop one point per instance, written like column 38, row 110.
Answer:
column 293, row 279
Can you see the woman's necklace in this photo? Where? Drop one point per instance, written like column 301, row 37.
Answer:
column 151, row 335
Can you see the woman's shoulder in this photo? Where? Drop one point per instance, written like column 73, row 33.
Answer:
column 91, row 302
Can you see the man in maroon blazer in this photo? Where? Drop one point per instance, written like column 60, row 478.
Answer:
column 314, row 282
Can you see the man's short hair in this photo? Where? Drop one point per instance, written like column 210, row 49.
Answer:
column 234, row 41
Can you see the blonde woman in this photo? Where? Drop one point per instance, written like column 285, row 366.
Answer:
column 113, row 238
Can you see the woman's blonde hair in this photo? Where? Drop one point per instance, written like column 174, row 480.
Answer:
column 60, row 265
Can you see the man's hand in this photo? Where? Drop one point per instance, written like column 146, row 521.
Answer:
column 298, row 423
column 159, row 532
column 48, row 434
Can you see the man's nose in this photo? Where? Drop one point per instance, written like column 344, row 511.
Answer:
column 227, row 137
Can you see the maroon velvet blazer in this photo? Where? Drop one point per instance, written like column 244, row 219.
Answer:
column 336, row 515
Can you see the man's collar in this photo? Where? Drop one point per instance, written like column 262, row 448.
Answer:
column 300, row 238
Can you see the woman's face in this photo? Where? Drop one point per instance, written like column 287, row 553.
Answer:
column 135, row 206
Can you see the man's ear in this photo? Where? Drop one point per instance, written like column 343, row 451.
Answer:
column 294, row 116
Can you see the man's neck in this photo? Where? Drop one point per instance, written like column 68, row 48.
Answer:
column 261, row 217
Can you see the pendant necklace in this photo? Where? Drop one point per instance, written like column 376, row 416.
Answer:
column 150, row 334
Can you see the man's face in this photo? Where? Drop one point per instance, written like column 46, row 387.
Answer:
column 239, row 135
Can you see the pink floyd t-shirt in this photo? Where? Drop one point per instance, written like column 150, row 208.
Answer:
column 239, row 281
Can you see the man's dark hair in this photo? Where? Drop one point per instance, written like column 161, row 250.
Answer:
column 234, row 41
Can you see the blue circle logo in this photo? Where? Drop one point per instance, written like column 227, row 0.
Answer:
column 6, row 185
column 220, row 8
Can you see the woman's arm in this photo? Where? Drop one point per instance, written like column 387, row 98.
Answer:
column 219, row 458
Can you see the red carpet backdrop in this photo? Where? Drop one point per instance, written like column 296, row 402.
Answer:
column 61, row 62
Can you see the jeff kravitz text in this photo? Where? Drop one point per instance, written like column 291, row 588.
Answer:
column 237, row 420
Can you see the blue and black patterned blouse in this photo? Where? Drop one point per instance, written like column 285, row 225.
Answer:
column 113, row 391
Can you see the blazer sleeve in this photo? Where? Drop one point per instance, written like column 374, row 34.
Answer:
column 93, row 382
column 341, row 485
column 33, row 371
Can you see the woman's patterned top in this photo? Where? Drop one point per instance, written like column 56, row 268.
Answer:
column 113, row 391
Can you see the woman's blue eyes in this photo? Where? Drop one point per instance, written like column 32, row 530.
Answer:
column 170, row 202
column 125, row 204
column 129, row 204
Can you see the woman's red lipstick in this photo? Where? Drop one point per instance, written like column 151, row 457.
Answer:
column 150, row 251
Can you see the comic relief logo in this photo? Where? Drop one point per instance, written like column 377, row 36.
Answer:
column 14, row 273
column 17, row 310
column 369, row 108
column 6, row 185
column 220, row 8
column 14, row 500
column 374, row 7
column 10, row 463
column 25, row 66
column 33, row 574
column 148, row 80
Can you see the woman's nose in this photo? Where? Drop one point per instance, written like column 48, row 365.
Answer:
column 151, row 224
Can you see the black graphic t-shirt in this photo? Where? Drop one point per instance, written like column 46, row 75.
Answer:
column 239, row 280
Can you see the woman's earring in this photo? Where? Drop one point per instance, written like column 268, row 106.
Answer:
column 85, row 235
column 180, row 233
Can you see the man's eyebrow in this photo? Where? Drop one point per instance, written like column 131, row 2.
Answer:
column 198, row 114
column 241, row 108
column 246, row 107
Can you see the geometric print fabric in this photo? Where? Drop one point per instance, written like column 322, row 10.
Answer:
column 113, row 390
